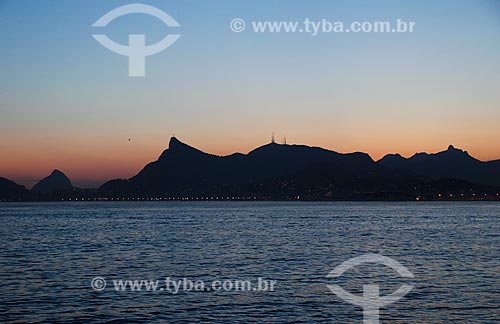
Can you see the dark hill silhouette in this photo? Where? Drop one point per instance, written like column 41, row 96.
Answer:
column 182, row 168
column 452, row 163
column 280, row 171
column 9, row 190
column 56, row 181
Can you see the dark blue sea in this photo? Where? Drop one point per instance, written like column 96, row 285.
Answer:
column 51, row 252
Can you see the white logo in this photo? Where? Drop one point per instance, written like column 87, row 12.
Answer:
column 136, row 49
column 371, row 300
column 98, row 283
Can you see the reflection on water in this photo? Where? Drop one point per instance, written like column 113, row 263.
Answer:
column 50, row 253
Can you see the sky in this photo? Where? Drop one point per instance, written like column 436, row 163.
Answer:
column 67, row 103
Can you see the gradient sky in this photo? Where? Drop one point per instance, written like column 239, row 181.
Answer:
column 66, row 102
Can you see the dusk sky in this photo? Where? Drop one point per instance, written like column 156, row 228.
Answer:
column 67, row 102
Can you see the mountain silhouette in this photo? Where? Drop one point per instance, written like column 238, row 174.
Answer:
column 184, row 169
column 56, row 181
column 452, row 163
column 9, row 190
column 280, row 171
column 284, row 172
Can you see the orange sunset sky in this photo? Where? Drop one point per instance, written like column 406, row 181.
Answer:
column 66, row 102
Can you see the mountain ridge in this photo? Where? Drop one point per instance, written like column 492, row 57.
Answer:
column 451, row 163
column 287, row 171
column 267, row 170
column 56, row 181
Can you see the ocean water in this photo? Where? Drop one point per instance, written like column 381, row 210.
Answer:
column 50, row 253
